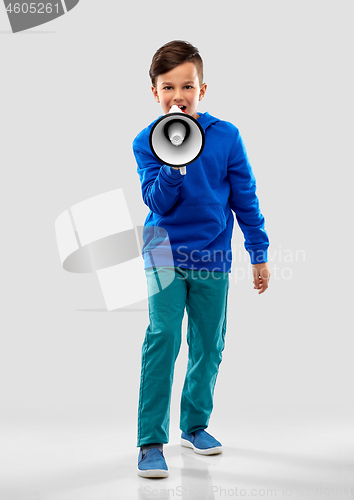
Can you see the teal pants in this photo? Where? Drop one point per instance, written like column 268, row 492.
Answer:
column 204, row 295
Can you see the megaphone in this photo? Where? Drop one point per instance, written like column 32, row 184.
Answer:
column 177, row 139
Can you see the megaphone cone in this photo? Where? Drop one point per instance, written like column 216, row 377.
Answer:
column 177, row 139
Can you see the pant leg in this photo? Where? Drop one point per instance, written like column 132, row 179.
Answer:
column 159, row 352
column 207, row 318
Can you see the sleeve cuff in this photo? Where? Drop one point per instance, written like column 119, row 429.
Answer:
column 259, row 256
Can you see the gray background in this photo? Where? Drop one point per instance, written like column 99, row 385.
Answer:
column 75, row 93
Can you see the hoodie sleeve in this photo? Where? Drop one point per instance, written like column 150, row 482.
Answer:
column 244, row 202
column 160, row 184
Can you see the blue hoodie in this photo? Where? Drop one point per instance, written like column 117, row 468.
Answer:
column 191, row 215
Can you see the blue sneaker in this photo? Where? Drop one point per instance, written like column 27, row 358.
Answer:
column 201, row 442
column 152, row 463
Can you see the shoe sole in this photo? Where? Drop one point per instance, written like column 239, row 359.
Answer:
column 208, row 451
column 153, row 473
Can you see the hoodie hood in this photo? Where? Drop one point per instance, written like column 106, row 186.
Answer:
column 205, row 119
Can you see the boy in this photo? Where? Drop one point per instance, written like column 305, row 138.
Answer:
column 195, row 210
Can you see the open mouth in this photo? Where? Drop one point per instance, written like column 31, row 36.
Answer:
column 182, row 107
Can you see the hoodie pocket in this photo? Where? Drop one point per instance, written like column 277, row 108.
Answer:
column 193, row 227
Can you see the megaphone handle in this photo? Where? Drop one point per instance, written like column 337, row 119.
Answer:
column 183, row 170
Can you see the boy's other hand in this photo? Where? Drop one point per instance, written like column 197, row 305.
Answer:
column 261, row 275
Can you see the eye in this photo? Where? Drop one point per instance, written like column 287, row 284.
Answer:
column 167, row 87
column 189, row 86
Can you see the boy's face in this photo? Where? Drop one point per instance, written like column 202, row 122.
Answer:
column 180, row 86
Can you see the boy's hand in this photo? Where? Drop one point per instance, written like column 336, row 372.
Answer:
column 261, row 275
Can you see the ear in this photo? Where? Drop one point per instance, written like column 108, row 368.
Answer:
column 202, row 91
column 155, row 93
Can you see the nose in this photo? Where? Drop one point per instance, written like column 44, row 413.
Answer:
column 178, row 96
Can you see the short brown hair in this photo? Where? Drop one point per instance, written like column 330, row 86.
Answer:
column 173, row 54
